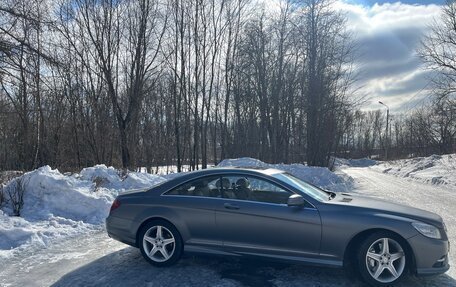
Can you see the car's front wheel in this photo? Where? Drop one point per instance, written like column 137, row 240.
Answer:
column 160, row 243
column 382, row 259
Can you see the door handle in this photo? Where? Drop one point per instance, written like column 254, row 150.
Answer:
column 230, row 206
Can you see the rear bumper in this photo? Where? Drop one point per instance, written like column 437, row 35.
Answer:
column 116, row 228
column 431, row 255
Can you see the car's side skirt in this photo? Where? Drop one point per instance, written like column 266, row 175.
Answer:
column 218, row 250
column 307, row 260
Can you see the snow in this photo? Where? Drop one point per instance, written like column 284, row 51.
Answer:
column 319, row 176
column 60, row 239
column 361, row 162
column 108, row 177
column 135, row 180
column 57, row 206
column 434, row 169
column 101, row 174
column 245, row 162
column 50, row 193
column 14, row 231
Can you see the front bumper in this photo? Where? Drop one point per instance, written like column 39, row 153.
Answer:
column 431, row 255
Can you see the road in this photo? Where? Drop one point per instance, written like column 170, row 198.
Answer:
column 96, row 260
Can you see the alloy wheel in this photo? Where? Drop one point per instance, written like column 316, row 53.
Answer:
column 385, row 260
column 159, row 243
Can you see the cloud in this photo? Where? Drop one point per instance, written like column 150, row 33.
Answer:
column 388, row 36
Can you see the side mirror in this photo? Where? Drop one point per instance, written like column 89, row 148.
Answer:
column 296, row 200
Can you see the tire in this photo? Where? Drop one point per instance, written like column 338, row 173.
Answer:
column 160, row 243
column 379, row 266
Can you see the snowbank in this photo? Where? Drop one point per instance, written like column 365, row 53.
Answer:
column 14, row 231
column 57, row 205
column 320, row 176
column 434, row 169
column 49, row 193
column 135, row 180
column 101, row 175
column 18, row 233
column 108, row 177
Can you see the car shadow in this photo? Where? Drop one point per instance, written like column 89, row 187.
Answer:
column 126, row 267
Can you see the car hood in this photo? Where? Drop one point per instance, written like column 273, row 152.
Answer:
column 386, row 207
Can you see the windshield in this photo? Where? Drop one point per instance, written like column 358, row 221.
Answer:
column 303, row 186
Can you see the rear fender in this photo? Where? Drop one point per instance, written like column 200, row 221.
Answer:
column 160, row 212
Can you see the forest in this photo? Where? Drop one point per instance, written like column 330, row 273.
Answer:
column 146, row 83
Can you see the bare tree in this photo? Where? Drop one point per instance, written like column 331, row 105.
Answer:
column 176, row 82
column 327, row 51
column 439, row 49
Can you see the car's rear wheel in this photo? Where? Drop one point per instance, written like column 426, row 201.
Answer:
column 382, row 259
column 160, row 243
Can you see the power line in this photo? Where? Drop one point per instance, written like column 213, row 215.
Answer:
column 416, row 94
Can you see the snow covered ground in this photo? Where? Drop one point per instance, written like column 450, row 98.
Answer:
column 435, row 169
column 60, row 239
column 361, row 162
column 57, row 206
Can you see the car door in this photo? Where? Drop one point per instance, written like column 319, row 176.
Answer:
column 194, row 204
column 262, row 223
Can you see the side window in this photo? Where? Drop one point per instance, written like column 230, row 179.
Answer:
column 254, row 189
column 206, row 187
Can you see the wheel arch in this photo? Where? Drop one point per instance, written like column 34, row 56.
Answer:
column 356, row 240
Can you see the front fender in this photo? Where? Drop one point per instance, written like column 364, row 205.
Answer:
column 339, row 230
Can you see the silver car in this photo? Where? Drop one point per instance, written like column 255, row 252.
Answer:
column 272, row 214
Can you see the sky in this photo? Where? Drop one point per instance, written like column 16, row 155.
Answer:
column 372, row 2
column 388, row 34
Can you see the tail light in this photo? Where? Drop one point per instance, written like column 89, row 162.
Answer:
column 115, row 205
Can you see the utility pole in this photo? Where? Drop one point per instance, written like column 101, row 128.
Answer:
column 387, row 123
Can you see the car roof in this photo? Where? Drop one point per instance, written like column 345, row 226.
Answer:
column 235, row 169
column 222, row 170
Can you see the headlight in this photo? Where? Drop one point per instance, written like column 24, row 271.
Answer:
column 427, row 230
